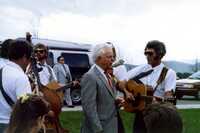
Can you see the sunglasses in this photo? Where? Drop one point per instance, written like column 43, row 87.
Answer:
column 39, row 51
column 148, row 53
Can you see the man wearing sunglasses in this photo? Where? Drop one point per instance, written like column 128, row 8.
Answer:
column 46, row 74
column 154, row 52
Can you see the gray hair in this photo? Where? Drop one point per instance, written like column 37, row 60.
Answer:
column 98, row 50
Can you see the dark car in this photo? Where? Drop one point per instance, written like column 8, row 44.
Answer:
column 189, row 86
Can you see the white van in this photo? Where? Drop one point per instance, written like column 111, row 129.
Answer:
column 76, row 56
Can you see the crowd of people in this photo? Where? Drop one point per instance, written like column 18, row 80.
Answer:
column 24, row 108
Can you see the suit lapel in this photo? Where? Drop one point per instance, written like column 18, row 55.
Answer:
column 63, row 70
column 104, row 81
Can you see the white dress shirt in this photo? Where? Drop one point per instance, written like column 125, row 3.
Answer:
column 45, row 74
column 15, row 83
column 168, row 84
column 3, row 62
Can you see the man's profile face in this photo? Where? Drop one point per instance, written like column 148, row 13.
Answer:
column 107, row 58
column 62, row 60
column 151, row 56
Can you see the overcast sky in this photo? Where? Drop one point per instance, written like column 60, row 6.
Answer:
column 129, row 24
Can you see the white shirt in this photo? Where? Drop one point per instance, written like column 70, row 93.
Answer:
column 120, row 72
column 15, row 84
column 3, row 62
column 45, row 75
column 168, row 84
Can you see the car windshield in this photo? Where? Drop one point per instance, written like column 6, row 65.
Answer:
column 195, row 75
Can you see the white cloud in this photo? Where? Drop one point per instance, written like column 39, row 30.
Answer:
column 129, row 24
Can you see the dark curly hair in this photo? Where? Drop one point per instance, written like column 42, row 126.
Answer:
column 5, row 48
column 162, row 118
column 158, row 46
column 26, row 112
column 19, row 49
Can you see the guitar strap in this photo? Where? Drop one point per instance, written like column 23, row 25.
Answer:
column 141, row 75
column 50, row 72
column 7, row 98
column 161, row 78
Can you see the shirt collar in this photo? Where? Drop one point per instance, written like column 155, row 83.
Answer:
column 158, row 67
column 13, row 64
column 99, row 68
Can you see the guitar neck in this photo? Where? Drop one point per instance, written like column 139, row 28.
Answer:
column 67, row 86
column 165, row 99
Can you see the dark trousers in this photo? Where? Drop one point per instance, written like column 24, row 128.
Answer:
column 139, row 125
column 120, row 124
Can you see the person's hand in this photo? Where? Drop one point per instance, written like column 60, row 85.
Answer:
column 76, row 83
column 129, row 96
column 119, row 101
column 122, row 85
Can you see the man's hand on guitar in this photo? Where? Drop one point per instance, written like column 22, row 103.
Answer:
column 75, row 83
column 121, row 85
column 119, row 101
column 129, row 96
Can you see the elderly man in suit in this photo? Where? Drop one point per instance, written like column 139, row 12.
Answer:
column 98, row 93
column 64, row 76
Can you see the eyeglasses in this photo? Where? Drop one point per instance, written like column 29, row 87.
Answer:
column 39, row 51
column 148, row 53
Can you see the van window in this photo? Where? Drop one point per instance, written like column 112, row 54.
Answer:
column 0, row 48
column 77, row 62
column 0, row 51
column 50, row 59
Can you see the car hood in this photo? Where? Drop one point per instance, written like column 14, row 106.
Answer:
column 190, row 81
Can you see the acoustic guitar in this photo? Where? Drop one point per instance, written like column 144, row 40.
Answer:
column 58, row 88
column 143, row 96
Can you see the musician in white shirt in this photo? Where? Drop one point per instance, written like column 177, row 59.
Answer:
column 154, row 52
column 14, row 81
column 46, row 73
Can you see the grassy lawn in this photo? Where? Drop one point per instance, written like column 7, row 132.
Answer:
column 191, row 120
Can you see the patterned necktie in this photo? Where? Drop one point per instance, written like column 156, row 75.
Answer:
column 109, row 80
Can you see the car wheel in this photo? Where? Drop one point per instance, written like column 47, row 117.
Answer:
column 76, row 96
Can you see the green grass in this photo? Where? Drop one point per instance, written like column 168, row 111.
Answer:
column 191, row 120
